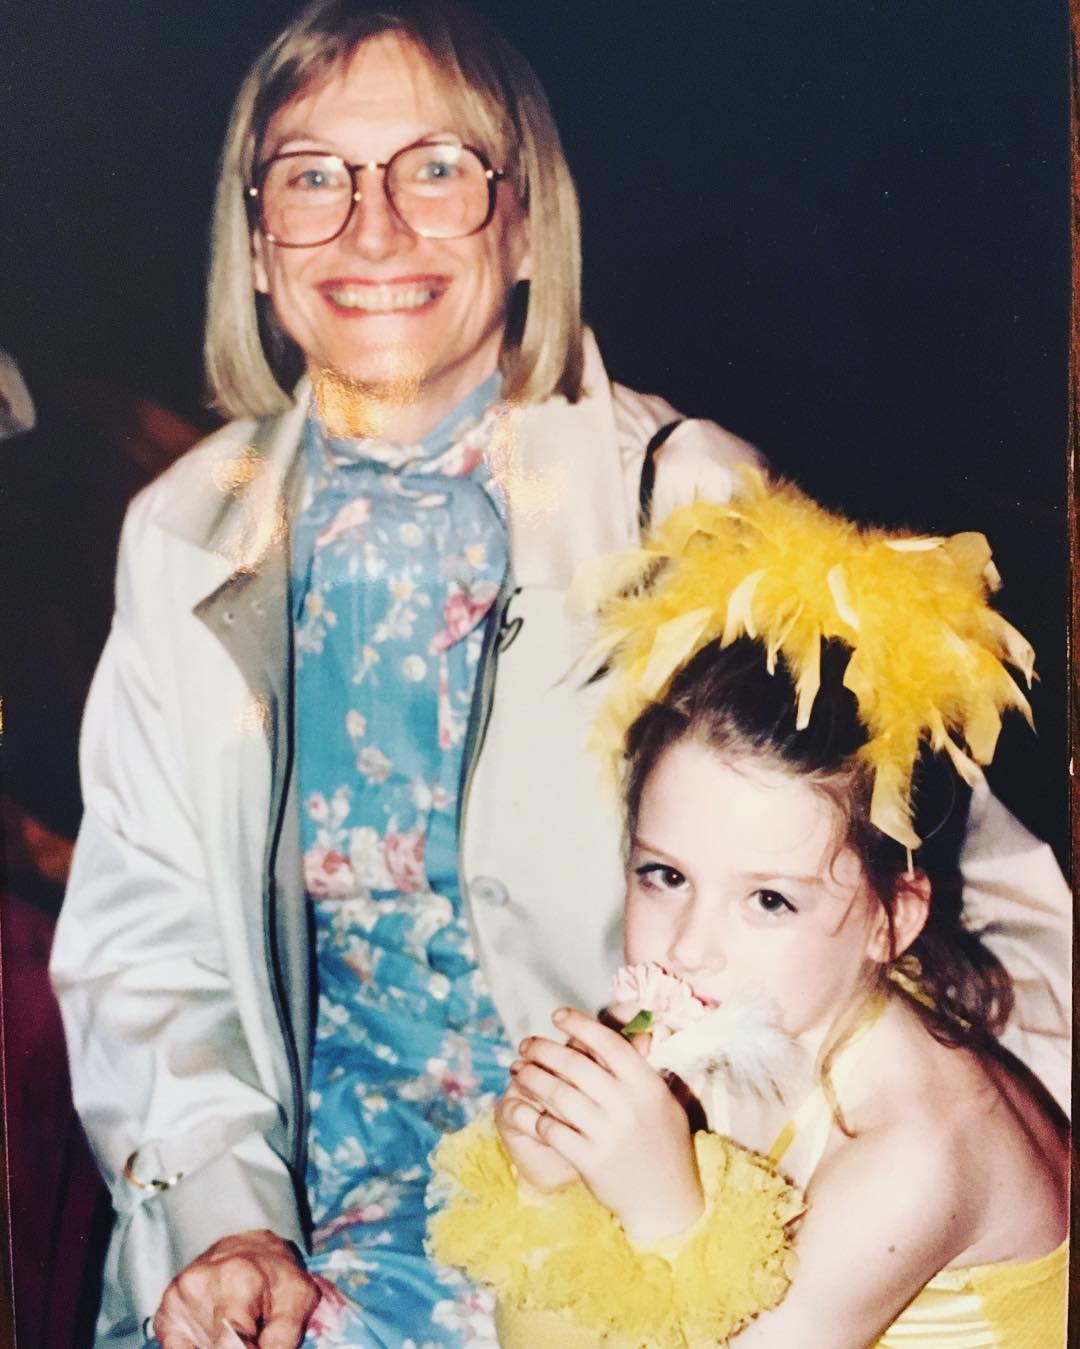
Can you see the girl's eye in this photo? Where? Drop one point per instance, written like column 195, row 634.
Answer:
column 657, row 876
column 772, row 901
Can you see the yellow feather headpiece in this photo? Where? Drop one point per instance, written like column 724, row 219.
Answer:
column 926, row 648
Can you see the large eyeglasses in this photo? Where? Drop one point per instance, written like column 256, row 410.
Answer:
column 439, row 190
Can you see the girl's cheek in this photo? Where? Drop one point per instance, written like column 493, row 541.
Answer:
column 645, row 936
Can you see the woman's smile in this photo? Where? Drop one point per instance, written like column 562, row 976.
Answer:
column 400, row 295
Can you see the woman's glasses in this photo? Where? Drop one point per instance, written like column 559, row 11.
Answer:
column 437, row 189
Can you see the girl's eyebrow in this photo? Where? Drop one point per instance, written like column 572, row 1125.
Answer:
column 638, row 844
column 779, row 877
column 772, row 878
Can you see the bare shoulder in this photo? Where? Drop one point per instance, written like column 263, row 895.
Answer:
column 1000, row 1157
column 886, row 1211
column 942, row 1165
column 908, row 1176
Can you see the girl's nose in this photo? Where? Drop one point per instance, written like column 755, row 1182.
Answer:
column 699, row 940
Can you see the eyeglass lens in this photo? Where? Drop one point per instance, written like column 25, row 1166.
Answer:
column 439, row 191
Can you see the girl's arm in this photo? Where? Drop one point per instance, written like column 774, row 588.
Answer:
column 663, row 1237
column 887, row 1210
column 885, row 1213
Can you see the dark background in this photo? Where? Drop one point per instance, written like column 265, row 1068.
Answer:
column 838, row 228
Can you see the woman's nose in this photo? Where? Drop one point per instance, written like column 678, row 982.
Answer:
column 374, row 230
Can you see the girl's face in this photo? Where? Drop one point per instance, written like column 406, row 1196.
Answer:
column 736, row 885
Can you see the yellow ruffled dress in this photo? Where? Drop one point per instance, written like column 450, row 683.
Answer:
column 567, row 1276
column 1020, row 1306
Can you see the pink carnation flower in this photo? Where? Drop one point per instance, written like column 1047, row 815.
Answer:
column 649, row 988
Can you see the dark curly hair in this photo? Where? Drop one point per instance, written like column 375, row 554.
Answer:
column 725, row 698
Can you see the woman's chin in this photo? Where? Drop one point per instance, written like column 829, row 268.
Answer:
column 364, row 398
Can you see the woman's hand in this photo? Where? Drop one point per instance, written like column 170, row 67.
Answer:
column 516, row 1117
column 253, row 1282
column 613, row 1119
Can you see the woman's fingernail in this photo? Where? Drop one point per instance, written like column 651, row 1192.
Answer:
column 560, row 1014
column 517, row 1066
column 523, row 1048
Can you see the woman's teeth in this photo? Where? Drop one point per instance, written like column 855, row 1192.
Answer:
column 383, row 299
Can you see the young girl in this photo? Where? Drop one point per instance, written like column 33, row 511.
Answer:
column 775, row 790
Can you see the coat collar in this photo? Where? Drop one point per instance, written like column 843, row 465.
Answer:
column 238, row 508
column 558, row 462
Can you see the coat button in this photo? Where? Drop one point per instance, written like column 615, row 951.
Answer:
column 489, row 891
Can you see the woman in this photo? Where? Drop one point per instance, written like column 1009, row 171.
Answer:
column 389, row 489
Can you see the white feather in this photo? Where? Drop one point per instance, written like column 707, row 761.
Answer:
column 740, row 1046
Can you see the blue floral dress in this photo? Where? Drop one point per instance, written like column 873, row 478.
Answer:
column 398, row 556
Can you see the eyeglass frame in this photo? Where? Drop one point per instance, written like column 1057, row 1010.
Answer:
column 253, row 197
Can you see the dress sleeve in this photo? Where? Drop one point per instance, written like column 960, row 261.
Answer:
column 161, row 1070
column 567, row 1254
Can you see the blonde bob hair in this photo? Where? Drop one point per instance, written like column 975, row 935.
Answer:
column 251, row 362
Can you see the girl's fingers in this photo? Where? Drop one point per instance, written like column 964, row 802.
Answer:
column 561, row 1098
column 571, row 1146
column 518, row 1115
column 574, row 1066
column 610, row 1048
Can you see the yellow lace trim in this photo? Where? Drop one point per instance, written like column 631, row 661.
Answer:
column 565, row 1251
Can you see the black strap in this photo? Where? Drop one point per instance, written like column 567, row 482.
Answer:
column 648, row 471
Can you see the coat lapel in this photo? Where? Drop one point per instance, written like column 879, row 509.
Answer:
column 243, row 519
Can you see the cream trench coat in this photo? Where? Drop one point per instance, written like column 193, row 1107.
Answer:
column 182, row 960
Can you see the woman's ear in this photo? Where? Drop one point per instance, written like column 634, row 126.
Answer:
column 259, row 278
column 523, row 249
column 910, row 910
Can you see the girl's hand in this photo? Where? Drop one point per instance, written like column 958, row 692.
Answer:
column 613, row 1119
column 516, row 1118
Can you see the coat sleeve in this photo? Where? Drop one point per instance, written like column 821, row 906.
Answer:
column 162, row 1072
column 1017, row 898
column 697, row 458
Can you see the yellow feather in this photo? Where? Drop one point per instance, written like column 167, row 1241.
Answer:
column 601, row 577
column 674, row 644
column 927, row 649
column 739, row 616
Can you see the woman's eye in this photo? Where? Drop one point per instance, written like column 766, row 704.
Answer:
column 308, row 175
column 437, row 171
column 657, row 876
column 772, row 901
column 310, row 180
